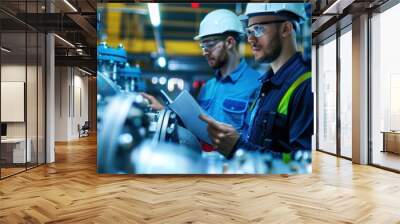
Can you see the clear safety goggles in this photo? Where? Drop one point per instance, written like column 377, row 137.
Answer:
column 209, row 45
column 258, row 30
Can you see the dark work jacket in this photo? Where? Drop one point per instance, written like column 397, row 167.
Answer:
column 275, row 132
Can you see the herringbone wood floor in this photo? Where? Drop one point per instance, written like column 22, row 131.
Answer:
column 70, row 191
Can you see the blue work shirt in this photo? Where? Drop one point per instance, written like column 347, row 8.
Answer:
column 271, row 131
column 227, row 99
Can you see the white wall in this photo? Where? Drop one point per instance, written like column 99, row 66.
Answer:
column 61, row 103
column 81, row 94
column 33, row 126
column 12, row 101
column 13, row 73
column 71, row 94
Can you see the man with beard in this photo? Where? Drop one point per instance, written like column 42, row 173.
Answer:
column 282, row 120
column 228, row 95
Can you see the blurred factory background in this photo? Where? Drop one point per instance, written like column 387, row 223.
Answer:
column 166, row 53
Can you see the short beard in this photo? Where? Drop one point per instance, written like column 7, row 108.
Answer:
column 275, row 51
column 221, row 60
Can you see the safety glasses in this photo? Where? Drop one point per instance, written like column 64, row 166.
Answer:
column 208, row 45
column 258, row 30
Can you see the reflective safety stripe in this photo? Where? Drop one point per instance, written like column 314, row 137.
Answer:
column 284, row 103
column 286, row 157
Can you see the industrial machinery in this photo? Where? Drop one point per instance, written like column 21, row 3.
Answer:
column 128, row 127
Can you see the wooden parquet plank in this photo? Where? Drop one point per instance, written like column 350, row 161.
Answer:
column 70, row 191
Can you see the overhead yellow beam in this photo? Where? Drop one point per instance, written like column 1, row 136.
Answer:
column 186, row 9
column 181, row 24
column 172, row 47
column 142, row 46
column 113, row 18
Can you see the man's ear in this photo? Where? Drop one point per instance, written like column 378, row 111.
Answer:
column 230, row 42
column 286, row 29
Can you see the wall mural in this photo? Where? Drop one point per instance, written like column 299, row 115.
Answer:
column 240, row 121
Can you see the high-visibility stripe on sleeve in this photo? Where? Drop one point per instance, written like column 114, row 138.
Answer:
column 284, row 103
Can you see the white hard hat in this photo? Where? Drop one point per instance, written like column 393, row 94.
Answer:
column 219, row 21
column 298, row 9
